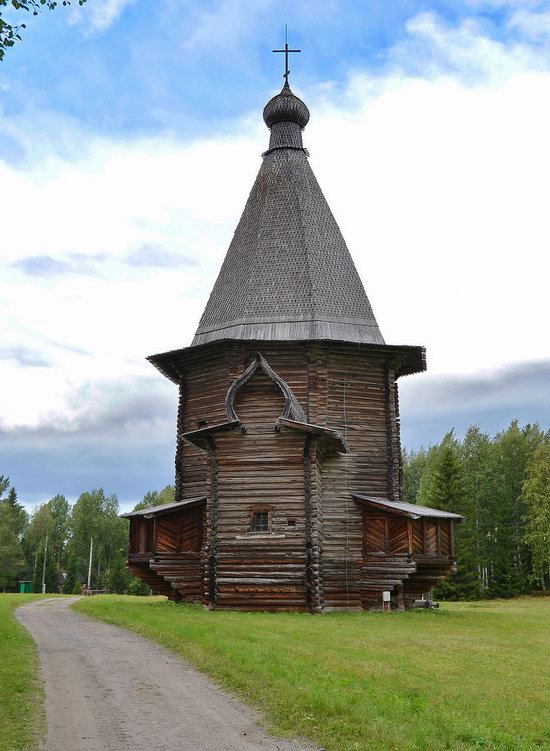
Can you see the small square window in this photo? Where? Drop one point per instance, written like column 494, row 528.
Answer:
column 259, row 521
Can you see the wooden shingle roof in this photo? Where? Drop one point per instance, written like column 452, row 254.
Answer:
column 165, row 508
column 412, row 510
column 288, row 274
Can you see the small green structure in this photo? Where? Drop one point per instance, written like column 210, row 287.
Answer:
column 25, row 587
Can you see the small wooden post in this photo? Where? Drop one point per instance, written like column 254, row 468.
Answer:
column 90, row 563
column 44, row 567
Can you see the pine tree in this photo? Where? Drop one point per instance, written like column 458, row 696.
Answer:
column 13, row 521
column 74, row 577
column 118, row 579
column 513, row 566
column 536, row 497
column 443, row 486
column 4, row 484
column 11, row 552
column 414, row 465
column 19, row 514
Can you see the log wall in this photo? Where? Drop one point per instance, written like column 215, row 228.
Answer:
column 260, row 469
column 313, row 555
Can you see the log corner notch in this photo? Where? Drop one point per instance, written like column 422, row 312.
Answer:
column 407, row 550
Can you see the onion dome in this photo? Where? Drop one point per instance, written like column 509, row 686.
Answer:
column 286, row 108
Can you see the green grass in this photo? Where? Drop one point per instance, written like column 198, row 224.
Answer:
column 471, row 676
column 21, row 718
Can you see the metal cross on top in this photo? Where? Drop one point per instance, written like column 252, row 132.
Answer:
column 286, row 51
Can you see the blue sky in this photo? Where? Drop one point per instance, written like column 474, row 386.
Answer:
column 187, row 65
column 135, row 67
column 130, row 135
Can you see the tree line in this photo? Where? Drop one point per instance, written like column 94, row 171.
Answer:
column 501, row 484
column 53, row 544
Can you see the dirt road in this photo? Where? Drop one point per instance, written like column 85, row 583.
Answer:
column 110, row 690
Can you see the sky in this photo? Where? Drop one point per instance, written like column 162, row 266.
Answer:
column 130, row 136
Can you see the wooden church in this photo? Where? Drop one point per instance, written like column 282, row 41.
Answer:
column 288, row 461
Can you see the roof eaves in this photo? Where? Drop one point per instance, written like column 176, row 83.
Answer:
column 335, row 438
column 410, row 510
column 198, row 437
column 412, row 360
column 165, row 508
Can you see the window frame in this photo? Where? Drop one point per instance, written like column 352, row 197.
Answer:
column 260, row 509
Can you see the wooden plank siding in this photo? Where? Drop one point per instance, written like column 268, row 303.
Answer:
column 165, row 552
column 404, row 556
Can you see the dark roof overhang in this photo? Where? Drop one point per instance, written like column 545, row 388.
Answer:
column 200, row 437
column 165, row 508
column 408, row 359
column 333, row 438
column 410, row 510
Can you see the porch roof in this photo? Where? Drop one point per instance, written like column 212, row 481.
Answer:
column 165, row 508
column 410, row 510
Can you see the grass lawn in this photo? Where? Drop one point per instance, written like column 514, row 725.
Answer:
column 20, row 691
column 471, row 676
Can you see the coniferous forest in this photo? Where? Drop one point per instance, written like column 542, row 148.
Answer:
column 500, row 483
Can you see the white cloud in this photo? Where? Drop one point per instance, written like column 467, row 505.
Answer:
column 111, row 202
column 535, row 26
column 225, row 24
column 99, row 15
column 495, row 4
column 463, row 52
column 439, row 184
column 438, row 179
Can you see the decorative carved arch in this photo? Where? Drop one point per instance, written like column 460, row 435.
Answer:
column 292, row 409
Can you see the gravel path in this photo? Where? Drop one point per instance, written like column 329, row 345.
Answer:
column 110, row 690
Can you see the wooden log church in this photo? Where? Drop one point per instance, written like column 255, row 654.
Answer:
column 288, row 460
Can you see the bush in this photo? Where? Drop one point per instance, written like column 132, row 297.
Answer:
column 137, row 587
column 118, row 578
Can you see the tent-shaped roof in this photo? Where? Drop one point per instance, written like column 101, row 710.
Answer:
column 288, row 274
